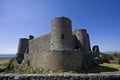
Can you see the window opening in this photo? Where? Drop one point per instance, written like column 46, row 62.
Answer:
column 62, row 36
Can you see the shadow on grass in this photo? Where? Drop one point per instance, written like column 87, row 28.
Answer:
column 99, row 69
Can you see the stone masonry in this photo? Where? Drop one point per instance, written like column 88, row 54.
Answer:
column 61, row 49
column 60, row 77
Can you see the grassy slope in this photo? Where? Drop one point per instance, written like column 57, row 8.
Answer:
column 114, row 67
column 4, row 62
column 105, row 68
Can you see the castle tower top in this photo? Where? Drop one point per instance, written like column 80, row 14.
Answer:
column 62, row 21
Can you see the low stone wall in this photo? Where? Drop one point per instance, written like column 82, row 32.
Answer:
column 60, row 77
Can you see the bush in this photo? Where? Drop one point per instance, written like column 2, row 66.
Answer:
column 106, row 57
column 10, row 66
column 116, row 55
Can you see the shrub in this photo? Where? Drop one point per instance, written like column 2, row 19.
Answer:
column 106, row 57
column 10, row 66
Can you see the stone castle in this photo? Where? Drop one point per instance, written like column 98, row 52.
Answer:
column 61, row 49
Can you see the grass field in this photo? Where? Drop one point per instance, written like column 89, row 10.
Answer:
column 4, row 62
column 105, row 68
column 111, row 67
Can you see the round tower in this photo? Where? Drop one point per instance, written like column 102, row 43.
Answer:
column 83, row 39
column 61, row 34
column 23, row 45
column 88, row 42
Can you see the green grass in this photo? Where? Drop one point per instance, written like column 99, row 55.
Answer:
column 6, row 65
column 105, row 68
column 4, row 62
column 115, row 67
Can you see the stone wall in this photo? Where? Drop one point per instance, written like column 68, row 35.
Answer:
column 60, row 77
column 52, row 60
column 40, row 43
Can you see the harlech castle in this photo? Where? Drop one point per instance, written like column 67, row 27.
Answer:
column 60, row 49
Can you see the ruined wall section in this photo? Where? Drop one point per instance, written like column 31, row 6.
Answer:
column 38, row 44
column 83, row 39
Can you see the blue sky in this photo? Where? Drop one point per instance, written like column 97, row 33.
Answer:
column 21, row 18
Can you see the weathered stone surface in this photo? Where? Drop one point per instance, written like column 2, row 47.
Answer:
column 60, row 77
column 23, row 45
column 95, row 49
column 83, row 39
column 59, row 50
column 40, row 43
column 57, row 60
column 61, row 34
